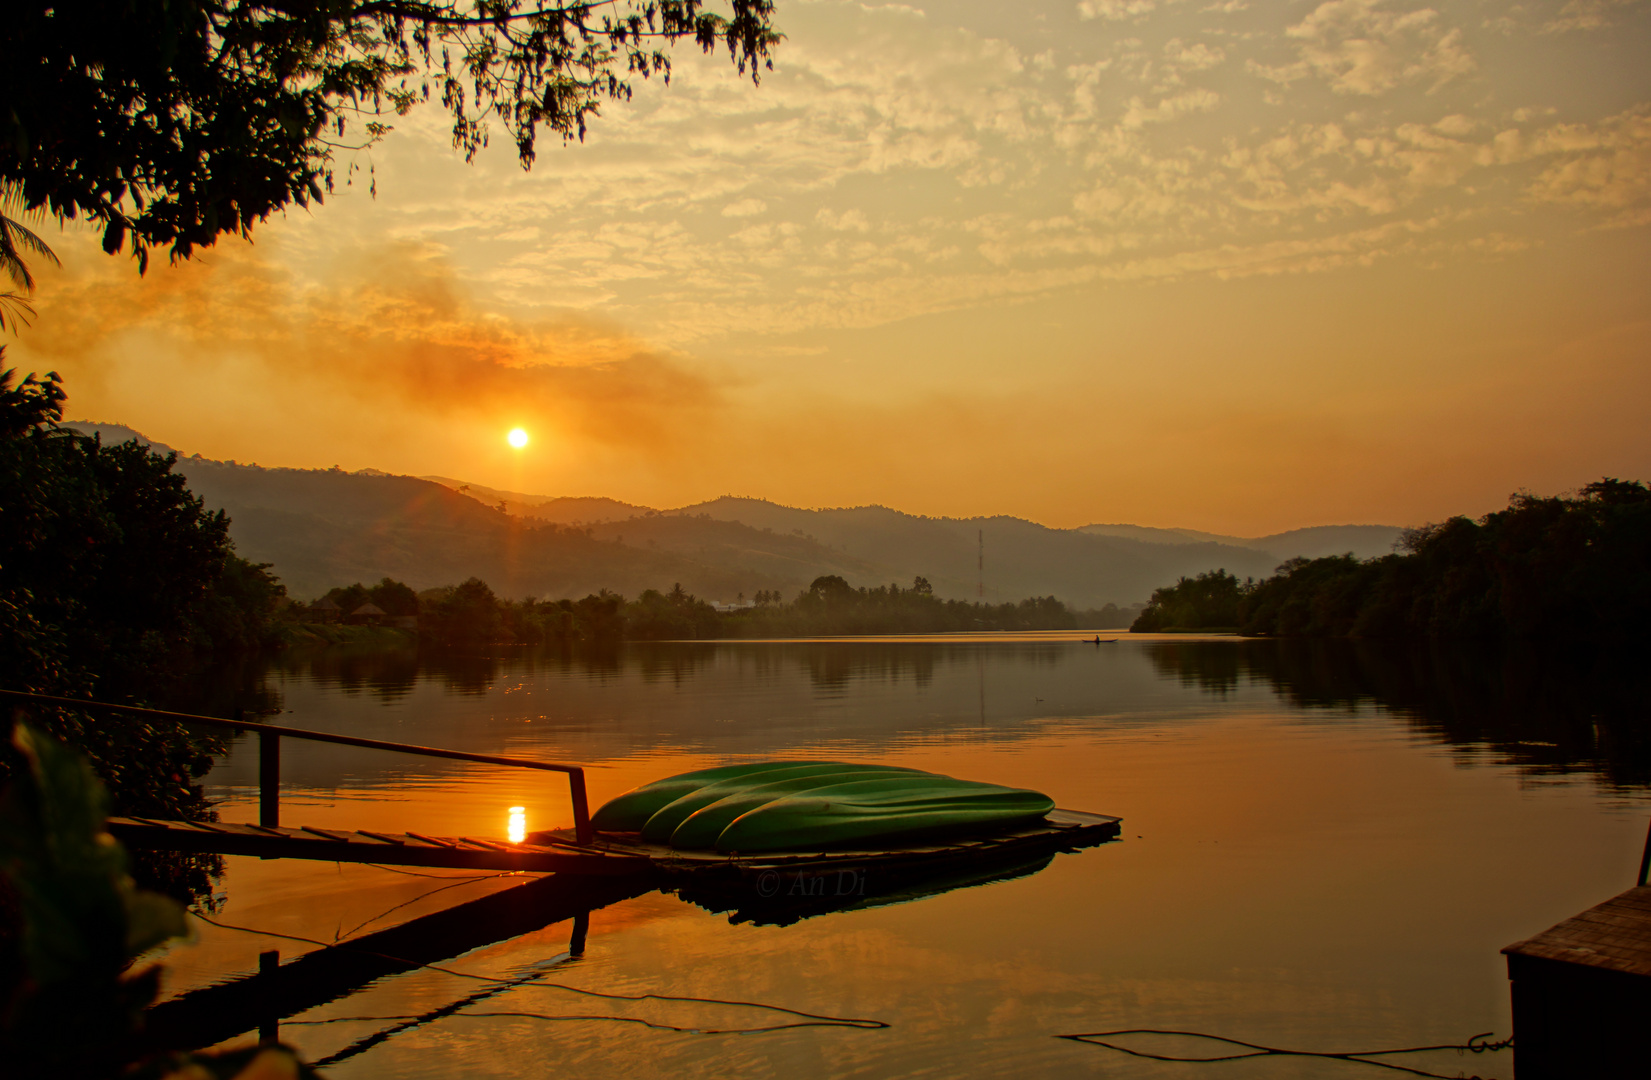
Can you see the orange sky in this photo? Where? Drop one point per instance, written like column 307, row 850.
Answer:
column 1214, row 266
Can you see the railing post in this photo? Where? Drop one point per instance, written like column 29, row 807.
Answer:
column 269, row 779
column 581, row 810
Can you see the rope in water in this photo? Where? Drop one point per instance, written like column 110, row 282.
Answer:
column 1254, row 1050
column 813, row 1019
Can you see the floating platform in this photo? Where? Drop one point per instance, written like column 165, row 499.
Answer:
column 1060, row 830
column 559, row 851
column 1582, row 993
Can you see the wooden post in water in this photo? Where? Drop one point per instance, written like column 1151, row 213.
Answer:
column 581, row 927
column 269, row 1026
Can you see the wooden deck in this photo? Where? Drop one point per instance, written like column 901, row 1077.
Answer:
column 558, row 851
column 390, row 849
column 1615, row 936
column 1582, row 992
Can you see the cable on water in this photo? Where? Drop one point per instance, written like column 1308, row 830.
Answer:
column 1475, row 1045
column 455, row 883
column 862, row 1024
column 446, row 877
column 821, row 1020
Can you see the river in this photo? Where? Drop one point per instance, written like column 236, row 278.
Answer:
column 1324, row 847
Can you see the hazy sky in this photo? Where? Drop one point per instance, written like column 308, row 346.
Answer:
column 1228, row 265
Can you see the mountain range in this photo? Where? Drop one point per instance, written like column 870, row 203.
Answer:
column 325, row 527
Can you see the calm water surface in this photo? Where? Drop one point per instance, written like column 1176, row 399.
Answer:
column 1322, row 849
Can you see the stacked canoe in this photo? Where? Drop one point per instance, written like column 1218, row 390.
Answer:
column 810, row 805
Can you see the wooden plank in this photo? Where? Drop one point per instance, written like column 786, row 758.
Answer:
column 1615, row 936
column 559, row 851
column 228, row 839
column 383, row 838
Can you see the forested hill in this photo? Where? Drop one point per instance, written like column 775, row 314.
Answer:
column 1022, row 558
column 1360, row 541
column 323, row 528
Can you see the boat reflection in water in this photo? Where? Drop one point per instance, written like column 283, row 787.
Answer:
column 784, row 897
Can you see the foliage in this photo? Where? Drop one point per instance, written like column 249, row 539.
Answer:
column 80, row 919
column 392, row 597
column 1206, row 601
column 467, row 614
column 1563, row 565
column 14, row 241
column 470, row 615
column 831, row 606
column 170, row 122
column 673, row 616
column 113, row 580
column 70, row 1006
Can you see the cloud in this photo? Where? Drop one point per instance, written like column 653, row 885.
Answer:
column 1115, row 10
column 389, row 332
column 1605, row 167
column 1367, row 48
column 1195, row 57
column 1584, row 15
column 892, row 166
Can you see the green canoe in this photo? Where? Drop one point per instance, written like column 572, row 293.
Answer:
column 804, row 805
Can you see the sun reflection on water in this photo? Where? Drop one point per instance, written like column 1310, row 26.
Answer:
column 517, row 829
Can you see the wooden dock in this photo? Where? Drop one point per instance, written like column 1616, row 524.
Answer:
column 1582, row 993
column 561, row 852
column 388, row 849
column 577, row 851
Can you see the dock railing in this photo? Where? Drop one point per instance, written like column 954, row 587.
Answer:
column 269, row 752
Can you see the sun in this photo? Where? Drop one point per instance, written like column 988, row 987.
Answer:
column 517, row 438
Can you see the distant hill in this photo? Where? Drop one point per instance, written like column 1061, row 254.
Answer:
column 326, row 527
column 563, row 510
column 1364, row 541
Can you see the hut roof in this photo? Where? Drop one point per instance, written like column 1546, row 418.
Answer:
column 369, row 608
column 324, row 604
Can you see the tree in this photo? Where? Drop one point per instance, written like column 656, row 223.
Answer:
column 469, row 614
column 111, row 571
column 170, row 122
column 14, row 241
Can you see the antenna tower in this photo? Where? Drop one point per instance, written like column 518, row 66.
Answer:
column 980, row 565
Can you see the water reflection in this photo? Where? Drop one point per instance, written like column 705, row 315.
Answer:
column 832, row 668
column 782, row 898
column 1270, row 884
column 1549, row 711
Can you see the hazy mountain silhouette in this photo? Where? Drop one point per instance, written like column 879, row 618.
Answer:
column 326, row 527
column 1365, row 541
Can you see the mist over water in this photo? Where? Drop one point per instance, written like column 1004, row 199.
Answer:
column 1324, row 847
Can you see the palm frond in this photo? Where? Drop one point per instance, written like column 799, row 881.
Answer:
column 18, row 306
column 15, row 239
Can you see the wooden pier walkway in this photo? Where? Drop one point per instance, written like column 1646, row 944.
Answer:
column 385, row 849
column 580, row 850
